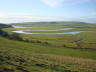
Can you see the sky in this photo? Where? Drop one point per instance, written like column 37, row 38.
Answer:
column 12, row 11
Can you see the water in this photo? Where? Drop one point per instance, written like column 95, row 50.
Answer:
column 74, row 32
column 25, row 31
column 26, row 27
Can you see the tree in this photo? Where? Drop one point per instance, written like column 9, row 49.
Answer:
column 3, row 33
column 15, row 36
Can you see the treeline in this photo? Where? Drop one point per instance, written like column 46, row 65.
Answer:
column 12, row 36
column 4, row 25
column 17, row 37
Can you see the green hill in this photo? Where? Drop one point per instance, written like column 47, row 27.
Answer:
column 67, row 24
column 18, row 56
column 29, row 53
column 4, row 25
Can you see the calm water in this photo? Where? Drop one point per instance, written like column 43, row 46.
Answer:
column 24, row 31
column 74, row 32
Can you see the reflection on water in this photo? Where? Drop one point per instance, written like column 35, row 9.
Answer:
column 25, row 31
column 26, row 27
column 74, row 32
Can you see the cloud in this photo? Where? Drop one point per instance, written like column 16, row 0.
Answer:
column 26, row 16
column 11, row 18
column 56, row 3
column 53, row 3
column 17, row 16
column 14, row 18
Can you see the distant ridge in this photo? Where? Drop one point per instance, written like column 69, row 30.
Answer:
column 53, row 22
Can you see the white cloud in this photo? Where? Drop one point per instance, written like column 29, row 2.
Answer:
column 26, row 16
column 53, row 3
column 56, row 3
column 17, row 16
column 11, row 18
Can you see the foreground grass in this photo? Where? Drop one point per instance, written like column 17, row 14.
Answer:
column 27, row 57
column 19, row 61
column 36, row 48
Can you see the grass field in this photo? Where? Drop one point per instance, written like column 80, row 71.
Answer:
column 68, row 40
column 18, row 56
column 61, row 54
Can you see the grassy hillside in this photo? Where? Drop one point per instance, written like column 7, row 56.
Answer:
column 49, row 53
column 27, row 57
column 4, row 25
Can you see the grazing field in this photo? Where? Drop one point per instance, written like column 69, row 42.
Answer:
column 71, row 52
column 59, row 33
column 19, row 56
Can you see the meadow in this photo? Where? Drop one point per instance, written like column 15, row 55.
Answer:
column 87, row 37
column 51, row 52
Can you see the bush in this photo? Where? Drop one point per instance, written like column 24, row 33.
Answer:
column 46, row 43
column 15, row 36
column 30, row 41
column 38, row 41
column 3, row 33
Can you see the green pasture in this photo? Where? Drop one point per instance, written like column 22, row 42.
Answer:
column 50, row 53
column 18, row 56
column 88, row 38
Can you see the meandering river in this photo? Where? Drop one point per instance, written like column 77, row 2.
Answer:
column 26, row 31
